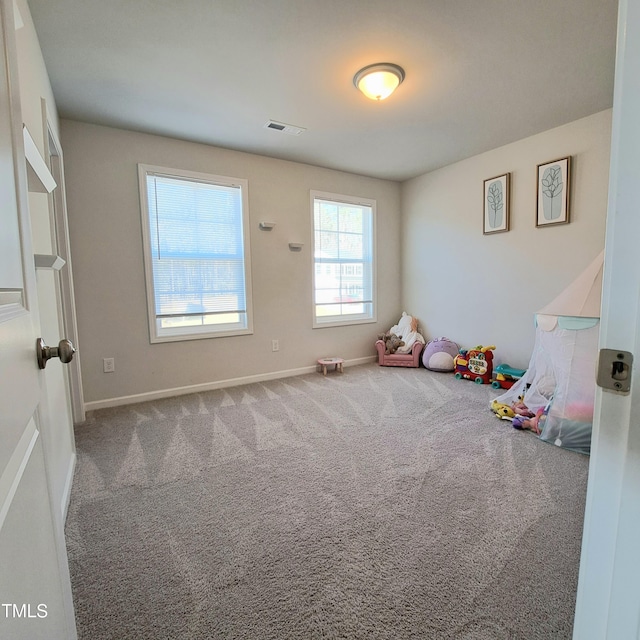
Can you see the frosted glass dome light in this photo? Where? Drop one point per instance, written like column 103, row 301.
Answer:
column 379, row 81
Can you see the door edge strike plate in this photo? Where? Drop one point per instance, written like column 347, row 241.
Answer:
column 614, row 370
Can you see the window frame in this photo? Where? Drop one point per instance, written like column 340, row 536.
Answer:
column 343, row 321
column 157, row 335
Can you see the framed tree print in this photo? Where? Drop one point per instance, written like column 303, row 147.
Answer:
column 496, row 204
column 553, row 192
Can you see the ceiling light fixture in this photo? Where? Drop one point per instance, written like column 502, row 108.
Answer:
column 379, row 81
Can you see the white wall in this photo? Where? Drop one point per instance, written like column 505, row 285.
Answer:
column 106, row 242
column 477, row 289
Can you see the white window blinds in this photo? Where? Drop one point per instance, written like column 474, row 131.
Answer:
column 197, row 255
column 343, row 260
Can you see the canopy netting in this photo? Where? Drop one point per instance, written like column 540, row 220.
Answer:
column 560, row 381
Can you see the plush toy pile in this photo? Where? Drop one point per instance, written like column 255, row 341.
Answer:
column 520, row 415
column 402, row 336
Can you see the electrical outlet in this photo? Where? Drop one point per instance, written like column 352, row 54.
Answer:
column 275, row 345
column 108, row 365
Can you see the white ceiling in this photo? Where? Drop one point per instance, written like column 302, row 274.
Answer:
column 479, row 74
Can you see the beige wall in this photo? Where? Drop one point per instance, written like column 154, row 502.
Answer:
column 477, row 289
column 472, row 288
column 106, row 242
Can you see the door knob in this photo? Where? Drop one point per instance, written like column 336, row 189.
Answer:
column 64, row 351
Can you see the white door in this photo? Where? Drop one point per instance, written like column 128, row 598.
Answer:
column 608, row 602
column 47, row 223
column 35, row 594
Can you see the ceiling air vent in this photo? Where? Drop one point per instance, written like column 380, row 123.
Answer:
column 291, row 129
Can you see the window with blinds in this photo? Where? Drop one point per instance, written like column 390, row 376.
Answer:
column 196, row 254
column 344, row 265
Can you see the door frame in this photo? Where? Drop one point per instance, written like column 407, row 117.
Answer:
column 60, row 240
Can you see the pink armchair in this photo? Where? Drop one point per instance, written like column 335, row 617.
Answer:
column 411, row 359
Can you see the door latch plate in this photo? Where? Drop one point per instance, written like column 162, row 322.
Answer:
column 614, row 370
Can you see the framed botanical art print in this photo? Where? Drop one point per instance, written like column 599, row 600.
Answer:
column 553, row 192
column 496, row 204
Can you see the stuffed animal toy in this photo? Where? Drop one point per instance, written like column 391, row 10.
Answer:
column 521, row 409
column 386, row 338
column 392, row 344
column 503, row 411
column 532, row 424
column 438, row 355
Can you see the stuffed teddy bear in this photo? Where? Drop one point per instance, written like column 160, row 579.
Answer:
column 385, row 337
column 392, row 344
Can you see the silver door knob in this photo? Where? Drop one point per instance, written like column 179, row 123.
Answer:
column 64, row 351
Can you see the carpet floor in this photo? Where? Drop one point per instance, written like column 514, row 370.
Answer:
column 382, row 503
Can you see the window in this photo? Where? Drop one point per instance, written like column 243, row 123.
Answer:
column 196, row 247
column 344, row 266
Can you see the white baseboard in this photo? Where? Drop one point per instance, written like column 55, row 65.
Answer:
column 68, row 483
column 211, row 386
